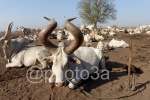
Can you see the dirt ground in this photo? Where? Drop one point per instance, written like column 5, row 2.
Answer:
column 15, row 86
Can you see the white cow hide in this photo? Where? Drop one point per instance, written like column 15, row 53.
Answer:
column 116, row 43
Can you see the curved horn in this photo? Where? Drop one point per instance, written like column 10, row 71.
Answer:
column 78, row 36
column 7, row 33
column 44, row 34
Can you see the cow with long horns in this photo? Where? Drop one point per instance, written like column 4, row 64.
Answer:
column 19, row 53
column 70, row 61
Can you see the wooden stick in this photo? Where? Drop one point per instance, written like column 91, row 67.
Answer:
column 130, row 62
column 133, row 82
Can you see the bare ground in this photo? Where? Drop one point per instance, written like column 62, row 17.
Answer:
column 15, row 86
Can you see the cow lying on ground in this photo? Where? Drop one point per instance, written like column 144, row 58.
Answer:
column 67, row 59
column 103, row 46
column 114, row 43
column 19, row 53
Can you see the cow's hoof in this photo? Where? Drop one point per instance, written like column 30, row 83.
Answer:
column 72, row 86
column 7, row 66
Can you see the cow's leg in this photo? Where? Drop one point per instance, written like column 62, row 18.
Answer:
column 42, row 62
column 74, row 83
column 102, row 63
column 77, row 79
column 43, row 65
column 14, row 64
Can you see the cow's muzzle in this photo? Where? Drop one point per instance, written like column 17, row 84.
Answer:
column 59, row 84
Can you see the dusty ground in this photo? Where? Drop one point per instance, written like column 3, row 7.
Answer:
column 15, row 86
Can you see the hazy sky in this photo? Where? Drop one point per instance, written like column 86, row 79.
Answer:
column 30, row 13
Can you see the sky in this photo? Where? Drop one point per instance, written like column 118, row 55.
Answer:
column 30, row 13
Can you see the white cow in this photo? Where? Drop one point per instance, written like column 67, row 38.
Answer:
column 94, row 35
column 111, row 28
column 143, row 27
column 87, row 38
column 26, row 31
column 90, row 27
column 103, row 46
column 111, row 33
column 104, row 31
column 137, row 31
column 132, row 33
column 100, row 45
column 98, row 37
column 19, row 53
column 70, row 36
column 148, row 32
column 116, row 43
column 82, row 28
column 68, row 59
column 60, row 35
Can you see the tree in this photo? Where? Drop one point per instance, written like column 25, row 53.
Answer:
column 96, row 11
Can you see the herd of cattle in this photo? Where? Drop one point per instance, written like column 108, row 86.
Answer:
column 62, row 57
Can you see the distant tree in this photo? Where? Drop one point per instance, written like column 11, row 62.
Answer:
column 96, row 11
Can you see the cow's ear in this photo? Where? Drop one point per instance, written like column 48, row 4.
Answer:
column 49, row 58
column 75, row 60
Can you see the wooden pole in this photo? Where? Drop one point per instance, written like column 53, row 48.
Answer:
column 130, row 62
